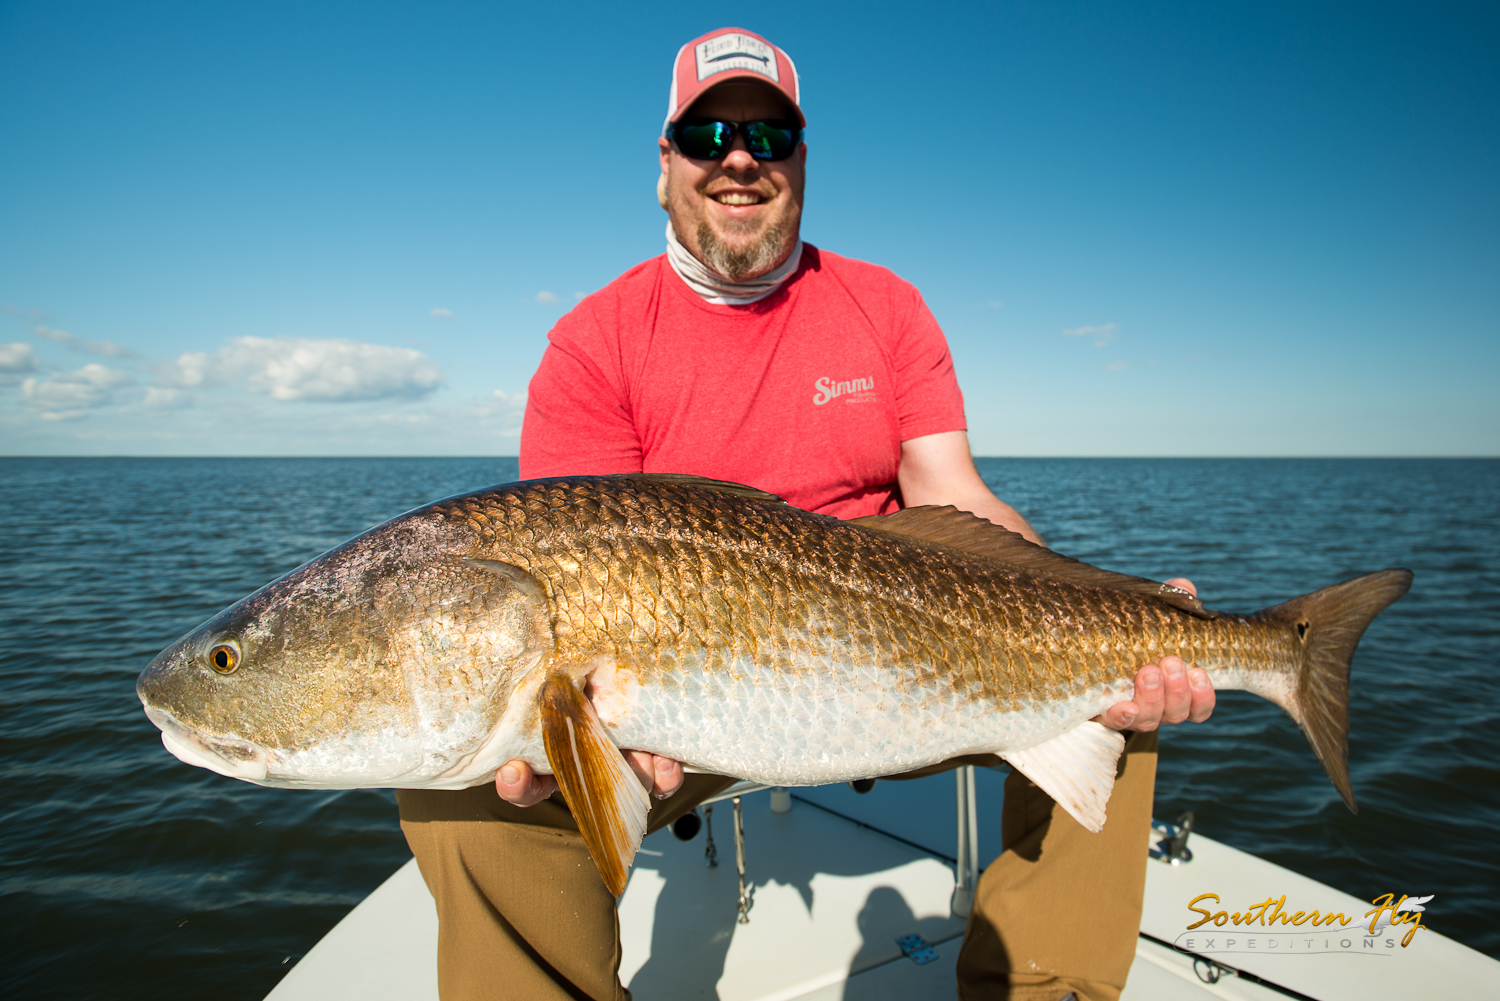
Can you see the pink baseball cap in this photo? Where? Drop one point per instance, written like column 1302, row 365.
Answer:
column 726, row 54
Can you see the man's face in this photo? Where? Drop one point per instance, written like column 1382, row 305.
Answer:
column 738, row 215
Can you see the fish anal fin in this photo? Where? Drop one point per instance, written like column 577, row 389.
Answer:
column 957, row 529
column 606, row 799
column 1077, row 769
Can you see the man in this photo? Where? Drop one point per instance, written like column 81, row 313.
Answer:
column 744, row 354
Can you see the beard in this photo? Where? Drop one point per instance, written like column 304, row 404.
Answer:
column 754, row 260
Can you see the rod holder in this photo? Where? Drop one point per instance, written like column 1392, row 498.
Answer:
column 966, row 871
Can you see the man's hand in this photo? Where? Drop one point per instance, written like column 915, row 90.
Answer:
column 517, row 784
column 1168, row 692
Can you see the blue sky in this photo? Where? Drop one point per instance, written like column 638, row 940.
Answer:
column 1147, row 229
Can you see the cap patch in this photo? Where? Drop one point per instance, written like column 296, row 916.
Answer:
column 736, row 52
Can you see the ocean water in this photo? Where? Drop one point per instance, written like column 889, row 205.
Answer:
column 126, row 874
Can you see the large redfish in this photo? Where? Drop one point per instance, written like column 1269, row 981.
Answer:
column 559, row 620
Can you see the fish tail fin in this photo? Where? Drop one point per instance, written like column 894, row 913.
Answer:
column 605, row 797
column 1329, row 624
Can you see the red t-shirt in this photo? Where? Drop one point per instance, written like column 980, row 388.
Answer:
column 807, row 393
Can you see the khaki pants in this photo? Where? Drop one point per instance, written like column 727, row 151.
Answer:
column 522, row 912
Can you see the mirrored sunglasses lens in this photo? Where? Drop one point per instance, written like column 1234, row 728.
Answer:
column 768, row 141
column 703, row 141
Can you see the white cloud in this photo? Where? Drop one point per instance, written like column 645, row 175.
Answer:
column 327, row 369
column 16, row 360
column 66, row 396
column 1118, row 366
column 107, row 348
column 546, row 297
column 442, row 314
column 500, row 413
column 994, row 304
column 166, row 398
column 1102, row 336
column 580, row 296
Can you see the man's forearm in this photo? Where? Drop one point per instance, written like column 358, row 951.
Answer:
column 937, row 470
column 992, row 508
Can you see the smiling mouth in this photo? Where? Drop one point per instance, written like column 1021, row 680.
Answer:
column 737, row 198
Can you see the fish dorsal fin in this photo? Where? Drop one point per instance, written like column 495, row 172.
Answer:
column 603, row 794
column 704, row 483
column 1077, row 769
column 962, row 530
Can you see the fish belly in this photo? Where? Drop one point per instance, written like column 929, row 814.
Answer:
column 819, row 722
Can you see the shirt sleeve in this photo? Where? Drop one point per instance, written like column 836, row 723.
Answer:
column 578, row 419
column 928, row 400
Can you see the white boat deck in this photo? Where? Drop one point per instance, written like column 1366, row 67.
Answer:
column 832, row 896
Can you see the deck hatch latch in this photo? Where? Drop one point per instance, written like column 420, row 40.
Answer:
column 916, row 949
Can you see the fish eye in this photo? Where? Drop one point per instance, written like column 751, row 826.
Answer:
column 224, row 658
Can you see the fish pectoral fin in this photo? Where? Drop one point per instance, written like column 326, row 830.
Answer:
column 606, row 798
column 523, row 581
column 1077, row 769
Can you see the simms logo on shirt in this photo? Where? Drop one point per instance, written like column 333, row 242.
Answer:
column 828, row 389
column 736, row 52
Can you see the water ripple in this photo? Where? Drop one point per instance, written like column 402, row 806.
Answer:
column 128, row 874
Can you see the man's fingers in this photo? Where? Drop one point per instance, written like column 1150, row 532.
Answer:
column 1145, row 710
column 518, row 785
column 1149, row 696
column 1166, row 692
column 641, row 763
column 1176, row 695
column 1204, row 696
column 661, row 776
column 1119, row 716
column 1169, row 692
column 1142, row 713
column 668, row 777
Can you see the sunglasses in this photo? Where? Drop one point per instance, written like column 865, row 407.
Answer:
column 707, row 139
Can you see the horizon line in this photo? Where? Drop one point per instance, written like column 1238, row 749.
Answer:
column 1005, row 457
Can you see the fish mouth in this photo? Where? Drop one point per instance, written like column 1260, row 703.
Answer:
column 238, row 759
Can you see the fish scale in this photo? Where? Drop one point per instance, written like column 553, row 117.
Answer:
column 714, row 624
column 966, row 649
column 967, row 657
